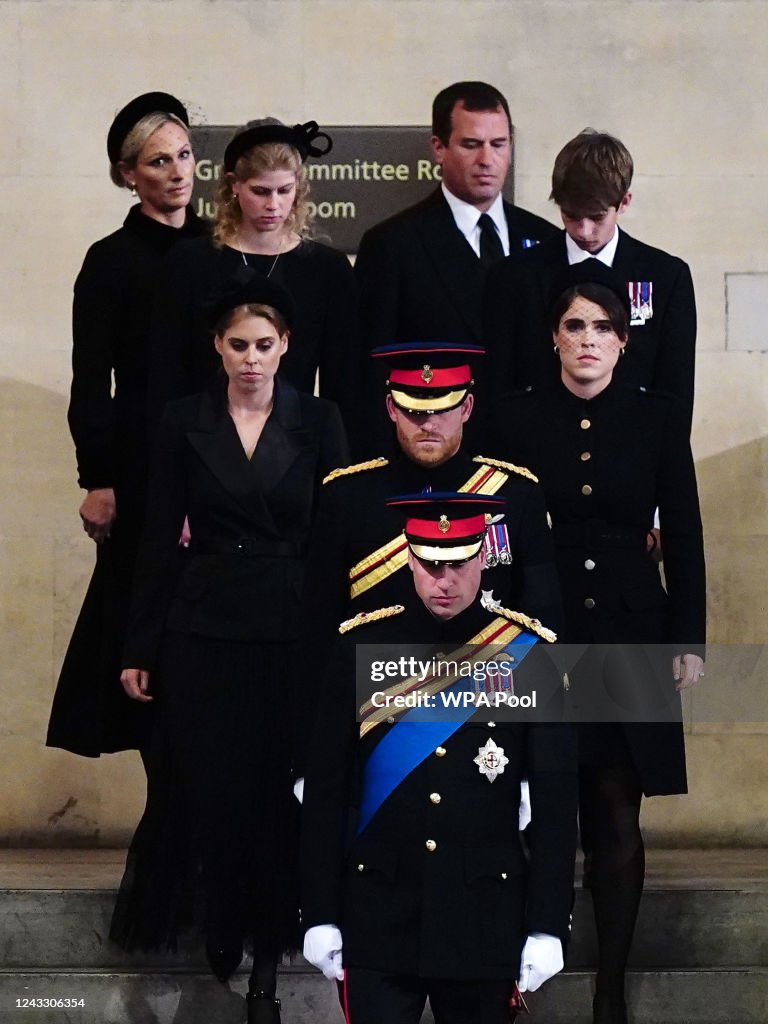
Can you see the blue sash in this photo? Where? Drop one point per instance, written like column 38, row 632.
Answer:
column 415, row 736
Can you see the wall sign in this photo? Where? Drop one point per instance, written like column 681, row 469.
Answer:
column 370, row 174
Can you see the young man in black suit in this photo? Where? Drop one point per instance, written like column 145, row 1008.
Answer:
column 422, row 272
column 434, row 895
column 591, row 183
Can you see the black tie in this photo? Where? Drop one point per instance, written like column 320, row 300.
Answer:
column 491, row 249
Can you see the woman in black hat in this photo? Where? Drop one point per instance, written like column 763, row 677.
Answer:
column 261, row 228
column 607, row 456
column 149, row 154
column 209, row 643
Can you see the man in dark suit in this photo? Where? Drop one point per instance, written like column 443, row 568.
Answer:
column 591, row 183
column 434, row 897
column 422, row 272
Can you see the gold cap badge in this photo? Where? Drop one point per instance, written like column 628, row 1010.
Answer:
column 444, row 524
column 426, row 373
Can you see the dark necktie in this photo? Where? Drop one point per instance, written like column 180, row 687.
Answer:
column 491, row 249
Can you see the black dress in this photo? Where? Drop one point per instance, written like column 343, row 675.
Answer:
column 111, row 315
column 324, row 337
column 605, row 466
column 215, row 631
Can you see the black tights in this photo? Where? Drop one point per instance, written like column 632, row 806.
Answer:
column 609, row 813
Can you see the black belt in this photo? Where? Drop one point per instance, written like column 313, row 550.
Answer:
column 595, row 533
column 247, row 547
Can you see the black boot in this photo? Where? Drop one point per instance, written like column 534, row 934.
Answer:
column 262, row 1008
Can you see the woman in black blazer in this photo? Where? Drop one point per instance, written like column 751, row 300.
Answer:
column 209, row 642
column 607, row 457
column 150, row 154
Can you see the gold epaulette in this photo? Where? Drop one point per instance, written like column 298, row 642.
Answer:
column 510, row 467
column 532, row 625
column 357, row 468
column 363, row 617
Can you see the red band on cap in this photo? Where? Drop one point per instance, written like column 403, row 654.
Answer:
column 445, row 528
column 432, row 377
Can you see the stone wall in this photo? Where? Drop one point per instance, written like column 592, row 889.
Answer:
column 682, row 83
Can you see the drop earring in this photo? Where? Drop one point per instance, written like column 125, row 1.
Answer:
column 555, row 349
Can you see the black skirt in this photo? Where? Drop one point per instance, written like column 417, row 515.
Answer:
column 217, row 845
column 91, row 713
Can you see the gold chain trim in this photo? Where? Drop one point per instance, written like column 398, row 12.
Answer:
column 521, row 470
column 357, row 468
column 362, row 617
column 532, row 625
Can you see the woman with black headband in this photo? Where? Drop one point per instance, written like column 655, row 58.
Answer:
column 261, row 229
column 607, row 456
column 209, row 644
column 149, row 155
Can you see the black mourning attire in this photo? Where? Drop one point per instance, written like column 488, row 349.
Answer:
column 353, row 521
column 420, row 279
column 446, row 918
column 520, row 290
column 324, row 335
column 214, row 629
column 111, row 315
column 605, row 465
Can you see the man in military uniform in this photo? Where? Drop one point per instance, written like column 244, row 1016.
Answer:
column 358, row 553
column 434, row 896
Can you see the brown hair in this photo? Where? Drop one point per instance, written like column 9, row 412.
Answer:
column 614, row 306
column 592, row 169
column 137, row 138
column 475, row 96
column 232, row 316
column 269, row 156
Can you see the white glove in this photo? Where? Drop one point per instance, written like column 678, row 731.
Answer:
column 298, row 789
column 524, row 814
column 541, row 960
column 322, row 947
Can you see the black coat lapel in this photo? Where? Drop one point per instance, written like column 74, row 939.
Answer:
column 283, row 439
column 623, row 261
column 216, row 441
column 454, row 260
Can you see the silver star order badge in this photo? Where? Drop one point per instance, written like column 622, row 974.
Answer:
column 491, row 760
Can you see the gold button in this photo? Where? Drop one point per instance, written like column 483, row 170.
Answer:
column 435, row 798
column 586, row 489
column 585, row 424
column 589, row 564
column 441, row 752
column 590, row 602
column 504, row 876
column 361, row 867
column 431, row 845
column 585, row 456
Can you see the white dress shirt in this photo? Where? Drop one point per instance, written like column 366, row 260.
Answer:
column 467, row 217
column 606, row 255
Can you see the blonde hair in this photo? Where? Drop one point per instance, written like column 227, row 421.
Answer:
column 265, row 156
column 137, row 138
